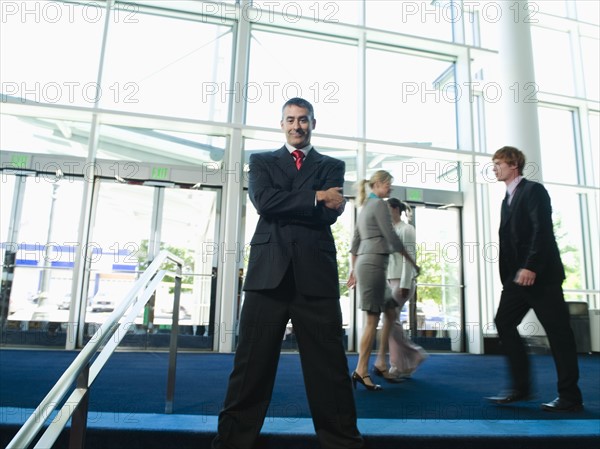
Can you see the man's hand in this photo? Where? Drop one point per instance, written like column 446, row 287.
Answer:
column 525, row 277
column 332, row 198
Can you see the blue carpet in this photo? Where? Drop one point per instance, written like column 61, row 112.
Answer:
column 442, row 406
column 446, row 387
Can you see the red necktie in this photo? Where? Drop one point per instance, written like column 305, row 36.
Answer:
column 298, row 157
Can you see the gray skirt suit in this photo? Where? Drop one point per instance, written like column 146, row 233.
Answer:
column 373, row 241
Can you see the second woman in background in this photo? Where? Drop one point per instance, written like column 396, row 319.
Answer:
column 374, row 239
column 405, row 356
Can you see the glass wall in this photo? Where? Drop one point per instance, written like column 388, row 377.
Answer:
column 129, row 125
column 404, row 104
column 42, row 61
column 43, row 244
column 166, row 64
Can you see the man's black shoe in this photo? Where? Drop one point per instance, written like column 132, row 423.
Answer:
column 509, row 397
column 562, row 405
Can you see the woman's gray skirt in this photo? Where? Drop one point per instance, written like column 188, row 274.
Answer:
column 371, row 281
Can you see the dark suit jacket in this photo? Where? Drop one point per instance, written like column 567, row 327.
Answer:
column 291, row 229
column 527, row 236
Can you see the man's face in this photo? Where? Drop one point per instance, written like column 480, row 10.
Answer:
column 297, row 126
column 504, row 171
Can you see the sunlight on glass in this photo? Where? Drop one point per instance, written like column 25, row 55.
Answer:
column 557, row 145
column 411, row 99
column 594, row 123
column 178, row 71
column 588, row 11
column 277, row 74
column 35, row 135
column 51, row 51
column 590, row 49
column 422, row 18
column 552, row 76
column 554, row 7
column 159, row 146
column 318, row 11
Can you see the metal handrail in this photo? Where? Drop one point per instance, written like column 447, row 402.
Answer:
column 83, row 371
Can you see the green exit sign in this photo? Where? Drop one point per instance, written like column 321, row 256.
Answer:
column 161, row 173
column 20, row 161
column 414, row 195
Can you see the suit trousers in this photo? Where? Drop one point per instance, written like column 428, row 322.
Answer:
column 318, row 328
column 548, row 303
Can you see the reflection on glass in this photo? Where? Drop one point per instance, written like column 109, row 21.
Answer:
column 557, row 142
column 38, row 135
column 275, row 76
column 160, row 147
column 415, row 104
column 181, row 71
column 413, row 171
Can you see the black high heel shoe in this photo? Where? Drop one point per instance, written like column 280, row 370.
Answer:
column 361, row 379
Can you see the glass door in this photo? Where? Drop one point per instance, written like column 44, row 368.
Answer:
column 132, row 224
column 189, row 229
column 38, row 234
column 435, row 315
column 121, row 224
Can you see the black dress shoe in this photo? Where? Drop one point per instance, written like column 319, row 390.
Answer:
column 562, row 405
column 509, row 397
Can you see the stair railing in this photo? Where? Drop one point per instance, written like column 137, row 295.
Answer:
column 89, row 362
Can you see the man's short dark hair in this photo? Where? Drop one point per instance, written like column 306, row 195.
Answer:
column 301, row 103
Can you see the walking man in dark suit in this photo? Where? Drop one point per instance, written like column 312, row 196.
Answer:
column 532, row 274
column 292, row 273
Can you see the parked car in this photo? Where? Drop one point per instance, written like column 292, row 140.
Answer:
column 102, row 302
column 65, row 302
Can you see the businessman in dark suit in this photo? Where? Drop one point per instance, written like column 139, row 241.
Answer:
column 532, row 274
column 292, row 274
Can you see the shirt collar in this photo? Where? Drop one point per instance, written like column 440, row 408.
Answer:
column 305, row 150
column 510, row 189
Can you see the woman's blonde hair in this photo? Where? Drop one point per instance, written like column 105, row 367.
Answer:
column 379, row 176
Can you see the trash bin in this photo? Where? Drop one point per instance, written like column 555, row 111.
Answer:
column 580, row 323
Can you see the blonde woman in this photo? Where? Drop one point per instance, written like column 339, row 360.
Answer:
column 373, row 241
